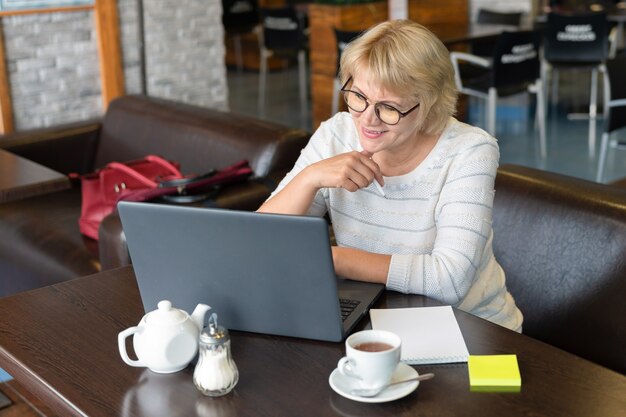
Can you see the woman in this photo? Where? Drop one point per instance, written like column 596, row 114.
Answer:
column 408, row 188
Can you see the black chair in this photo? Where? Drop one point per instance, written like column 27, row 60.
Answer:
column 239, row 17
column 283, row 36
column 484, row 47
column 342, row 38
column 513, row 69
column 500, row 18
column 614, row 108
column 576, row 42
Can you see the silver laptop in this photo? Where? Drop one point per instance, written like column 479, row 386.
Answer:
column 263, row 273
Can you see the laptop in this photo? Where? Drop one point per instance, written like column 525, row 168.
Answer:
column 262, row 273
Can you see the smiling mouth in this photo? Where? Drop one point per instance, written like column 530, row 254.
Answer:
column 373, row 132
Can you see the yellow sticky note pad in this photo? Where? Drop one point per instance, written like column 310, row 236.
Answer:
column 494, row 373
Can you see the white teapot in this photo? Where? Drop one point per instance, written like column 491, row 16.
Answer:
column 166, row 339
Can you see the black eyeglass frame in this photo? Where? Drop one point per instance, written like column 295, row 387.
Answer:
column 376, row 110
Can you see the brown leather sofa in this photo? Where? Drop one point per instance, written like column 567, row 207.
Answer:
column 40, row 242
column 562, row 244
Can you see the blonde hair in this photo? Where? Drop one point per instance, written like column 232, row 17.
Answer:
column 405, row 57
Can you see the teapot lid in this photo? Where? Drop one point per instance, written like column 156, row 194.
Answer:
column 165, row 314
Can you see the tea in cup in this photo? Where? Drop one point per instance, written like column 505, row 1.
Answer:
column 371, row 358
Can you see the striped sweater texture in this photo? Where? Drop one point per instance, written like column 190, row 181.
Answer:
column 435, row 221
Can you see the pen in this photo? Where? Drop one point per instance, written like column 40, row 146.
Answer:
column 377, row 184
column 379, row 188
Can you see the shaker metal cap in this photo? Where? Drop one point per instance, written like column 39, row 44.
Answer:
column 213, row 333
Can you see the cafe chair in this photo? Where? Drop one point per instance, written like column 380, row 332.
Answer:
column 575, row 42
column 342, row 38
column 614, row 108
column 239, row 17
column 513, row 69
column 485, row 47
column 283, row 36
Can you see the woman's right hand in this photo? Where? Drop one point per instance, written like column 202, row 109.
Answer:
column 351, row 171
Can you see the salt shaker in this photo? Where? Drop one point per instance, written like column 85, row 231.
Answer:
column 216, row 373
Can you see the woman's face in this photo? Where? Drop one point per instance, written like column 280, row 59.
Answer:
column 376, row 136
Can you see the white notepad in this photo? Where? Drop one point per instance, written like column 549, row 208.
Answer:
column 429, row 334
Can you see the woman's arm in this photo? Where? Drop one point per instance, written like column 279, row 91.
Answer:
column 463, row 216
column 294, row 198
column 327, row 161
column 351, row 171
column 361, row 265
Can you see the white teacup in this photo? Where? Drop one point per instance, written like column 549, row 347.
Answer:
column 371, row 357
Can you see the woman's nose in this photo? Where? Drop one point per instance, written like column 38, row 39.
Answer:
column 369, row 116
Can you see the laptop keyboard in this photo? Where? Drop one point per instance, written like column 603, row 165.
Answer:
column 347, row 306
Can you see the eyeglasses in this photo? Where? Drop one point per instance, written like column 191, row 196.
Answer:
column 387, row 114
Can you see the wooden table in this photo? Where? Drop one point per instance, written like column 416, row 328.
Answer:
column 21, row 178
column 60, row 342
column 453, row 34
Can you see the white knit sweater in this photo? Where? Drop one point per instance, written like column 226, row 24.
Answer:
column 435, row 221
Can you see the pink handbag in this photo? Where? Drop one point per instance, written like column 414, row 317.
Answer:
column 102, row 189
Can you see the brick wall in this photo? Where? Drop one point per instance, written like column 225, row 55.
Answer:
column 185, row 51
column 52, row 59
column 52, row 68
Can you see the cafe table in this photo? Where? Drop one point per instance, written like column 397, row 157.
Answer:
column 60, row 343
column 453, row 35
column 22, row 178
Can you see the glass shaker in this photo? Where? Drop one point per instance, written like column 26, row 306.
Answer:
column 215, row 373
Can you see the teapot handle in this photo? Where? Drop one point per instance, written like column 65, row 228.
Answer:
column 121, row 342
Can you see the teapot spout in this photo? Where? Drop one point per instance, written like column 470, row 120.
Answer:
column 198, row 315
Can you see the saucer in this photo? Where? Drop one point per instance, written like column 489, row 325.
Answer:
column 342, row 385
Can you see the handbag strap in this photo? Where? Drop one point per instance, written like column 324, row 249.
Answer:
column 142, row 178
column 136, row 175
column 165, row 164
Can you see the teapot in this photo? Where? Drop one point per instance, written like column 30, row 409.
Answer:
column 166, row 339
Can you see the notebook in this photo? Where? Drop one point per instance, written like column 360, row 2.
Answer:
column 429, row 334
column 263, row 273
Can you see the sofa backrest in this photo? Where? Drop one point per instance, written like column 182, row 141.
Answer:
column 200, row 139
column 562, row 244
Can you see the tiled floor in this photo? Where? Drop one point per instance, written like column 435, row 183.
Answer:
column 567, row 139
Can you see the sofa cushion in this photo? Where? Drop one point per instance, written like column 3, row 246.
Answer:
column 136, row 126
